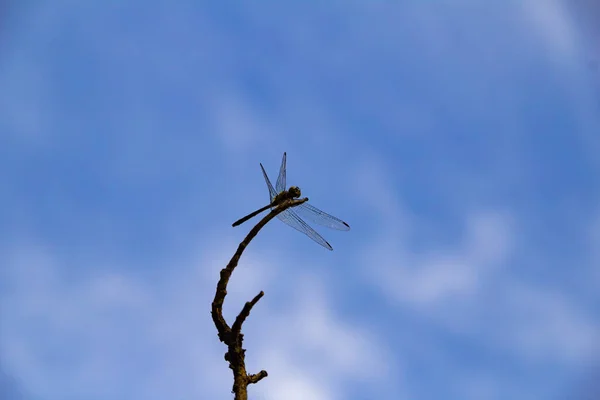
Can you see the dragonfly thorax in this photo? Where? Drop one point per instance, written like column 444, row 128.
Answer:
column 292, row 193
column 295, row 191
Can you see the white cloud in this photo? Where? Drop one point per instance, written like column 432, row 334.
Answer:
column 371, row 186
column 489, row 237
column 109, row 333
column 237, row 123
column 288, row 381
column 593, row 245
column 309, row 337
column 434, row 277
column 468, row 289
column 548, row 326
column 554, row 24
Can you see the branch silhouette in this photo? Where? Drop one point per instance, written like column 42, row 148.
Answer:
column 232, row 336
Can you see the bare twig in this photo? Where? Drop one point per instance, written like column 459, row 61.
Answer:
column 232, row 336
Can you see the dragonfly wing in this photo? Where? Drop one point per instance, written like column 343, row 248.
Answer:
column 313, row 214
column 280, row 184
column 272, row 192
column 293, row 220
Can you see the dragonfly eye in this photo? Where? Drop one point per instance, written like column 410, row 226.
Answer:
column 295, row 191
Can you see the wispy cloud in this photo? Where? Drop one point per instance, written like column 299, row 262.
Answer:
column 130, row 337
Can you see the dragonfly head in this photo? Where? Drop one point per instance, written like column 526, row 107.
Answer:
column 294, row 191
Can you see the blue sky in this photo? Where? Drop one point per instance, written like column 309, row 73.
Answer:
column 459, row 141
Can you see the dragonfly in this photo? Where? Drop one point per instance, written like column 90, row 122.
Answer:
column 293, row 216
